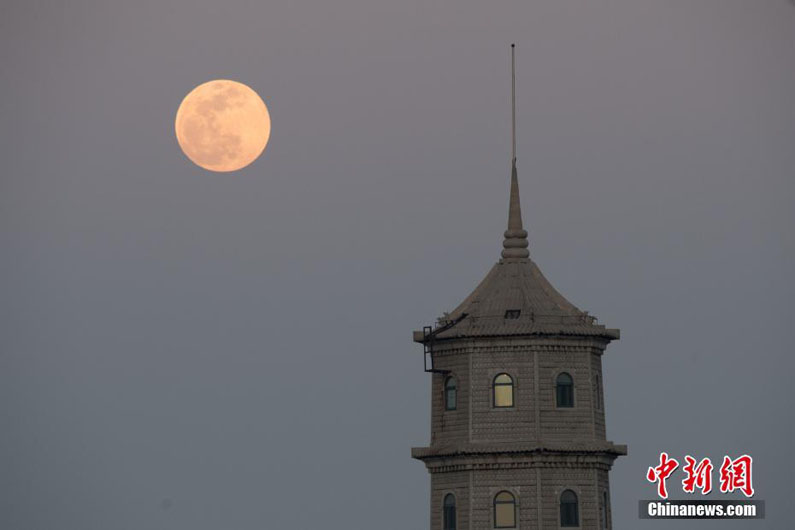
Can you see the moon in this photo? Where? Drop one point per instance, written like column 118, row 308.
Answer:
column 222, row 125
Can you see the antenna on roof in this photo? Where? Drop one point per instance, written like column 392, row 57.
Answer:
column 513, row 104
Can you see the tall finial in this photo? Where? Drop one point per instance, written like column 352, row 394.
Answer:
column 513, row 104
column 515, row 243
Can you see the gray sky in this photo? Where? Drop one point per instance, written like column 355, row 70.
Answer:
column 187, row 350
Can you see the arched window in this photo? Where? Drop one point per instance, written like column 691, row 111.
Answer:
column 450, row 393
column 564, row 391
column 569, row 511
column 504, row 510
column 448, row 513
column 503, row 391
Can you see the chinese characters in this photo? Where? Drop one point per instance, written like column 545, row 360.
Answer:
column 734, row 475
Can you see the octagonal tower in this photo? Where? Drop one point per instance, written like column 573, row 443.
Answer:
column 518, row 434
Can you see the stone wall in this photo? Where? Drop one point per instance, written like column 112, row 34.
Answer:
column 534, row 366
column 536, row 487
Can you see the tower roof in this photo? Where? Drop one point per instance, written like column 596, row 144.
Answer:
column 515, row 298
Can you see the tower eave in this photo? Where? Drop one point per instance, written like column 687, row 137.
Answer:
column 606, row 335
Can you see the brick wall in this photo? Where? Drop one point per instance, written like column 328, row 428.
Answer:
column 534, row 366
column 475, row 491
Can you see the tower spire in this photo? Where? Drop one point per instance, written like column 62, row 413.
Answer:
column 513, row 104
column 515, row 243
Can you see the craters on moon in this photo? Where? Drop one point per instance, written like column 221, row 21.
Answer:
column 222, row 125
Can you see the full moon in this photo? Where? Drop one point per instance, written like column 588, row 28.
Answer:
column 222, row 125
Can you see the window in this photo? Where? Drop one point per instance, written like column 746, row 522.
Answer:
column 503, row 391
column 504, row 510
column 448, row 512
column 450, row 393
column 604, row 510
column 513, row 313
column 564, row 391
column 569, row 511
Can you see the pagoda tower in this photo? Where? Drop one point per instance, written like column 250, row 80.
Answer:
column 517, row 403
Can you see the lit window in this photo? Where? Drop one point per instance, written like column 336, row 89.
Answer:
column 448, row 512
column 450, row 393
column 504, row 510
column 503, row 391
column 569, row 511
column 564, row 391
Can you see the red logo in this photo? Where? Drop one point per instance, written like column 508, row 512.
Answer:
column 734, row 475
column 698, row 476
column 660, row 473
